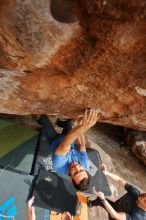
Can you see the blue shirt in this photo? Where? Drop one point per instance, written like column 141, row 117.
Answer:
column 61, row 162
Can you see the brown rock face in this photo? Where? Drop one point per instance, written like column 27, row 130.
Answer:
column 63, row 66
column 136, row 141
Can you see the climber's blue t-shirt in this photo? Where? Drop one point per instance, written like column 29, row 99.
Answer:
column 61, row 163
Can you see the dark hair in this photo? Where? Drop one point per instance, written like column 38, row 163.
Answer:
column 143, row 194
column 83, row 185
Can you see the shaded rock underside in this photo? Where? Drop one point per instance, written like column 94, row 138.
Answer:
column 63, row 67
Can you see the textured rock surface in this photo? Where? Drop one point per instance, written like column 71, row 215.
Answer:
column 62, row 68
column 136, row 141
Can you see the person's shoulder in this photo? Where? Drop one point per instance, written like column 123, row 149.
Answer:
column 59, row 157
column 60, row 163
column 59, row 160
column 83, row 155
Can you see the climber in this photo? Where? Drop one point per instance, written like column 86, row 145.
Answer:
column 66, row 158
column 130, row 206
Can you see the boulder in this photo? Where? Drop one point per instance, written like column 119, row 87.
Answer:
column 60, row 64
column 136, row 142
